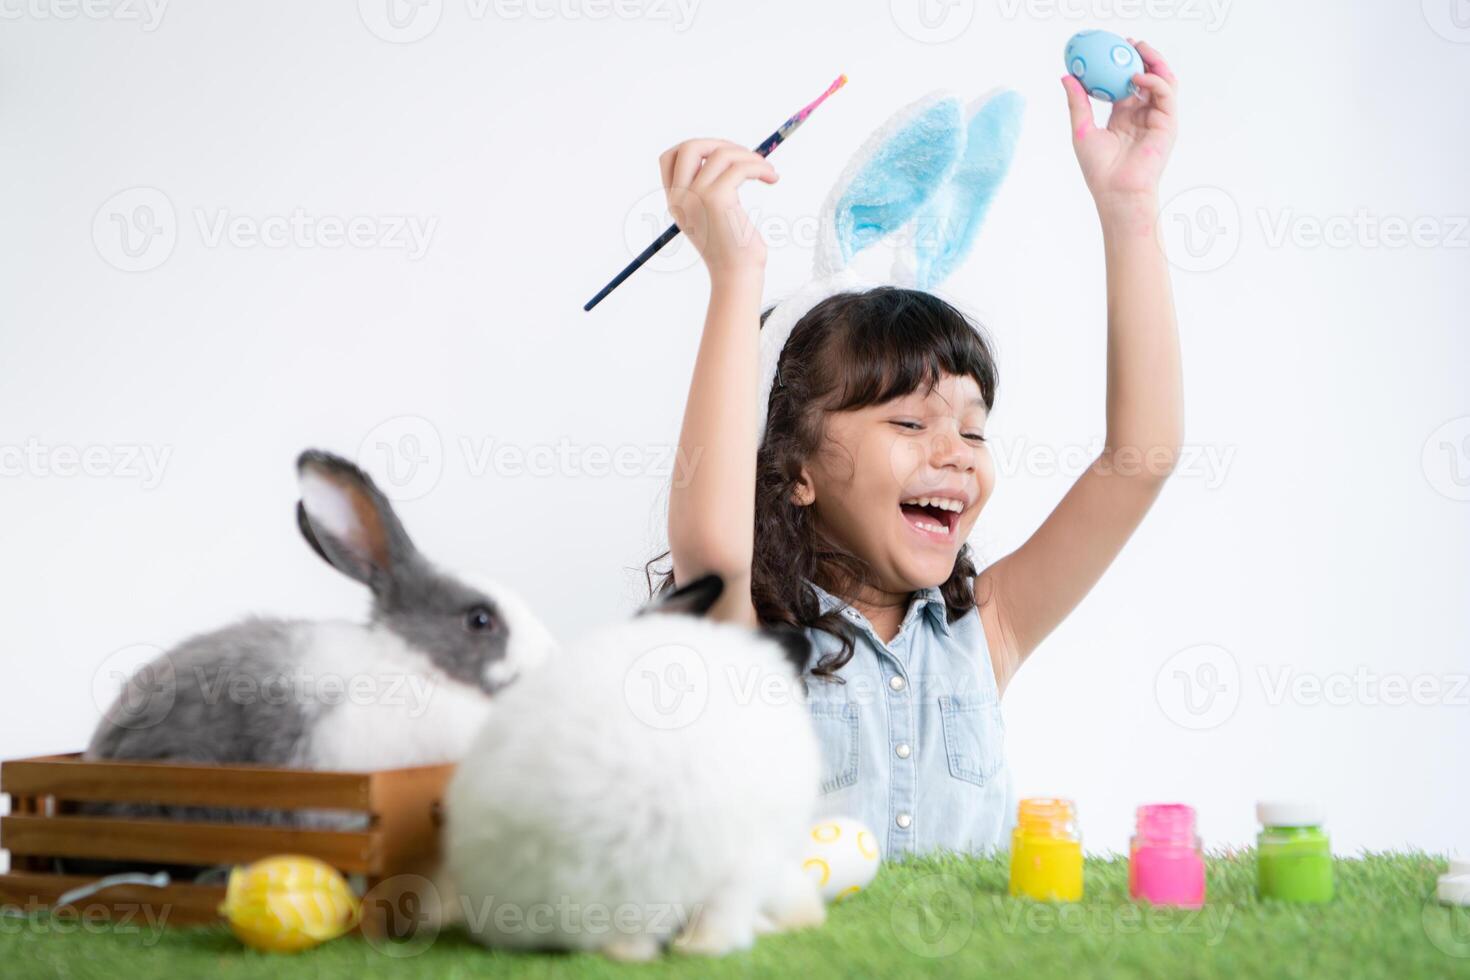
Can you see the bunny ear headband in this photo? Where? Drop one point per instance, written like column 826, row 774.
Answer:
column 930, row 172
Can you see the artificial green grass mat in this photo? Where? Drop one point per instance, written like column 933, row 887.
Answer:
column 946, row 916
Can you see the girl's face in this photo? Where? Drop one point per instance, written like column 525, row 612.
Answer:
column 900, row 484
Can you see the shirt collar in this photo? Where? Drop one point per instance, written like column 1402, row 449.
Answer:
column 930, row 598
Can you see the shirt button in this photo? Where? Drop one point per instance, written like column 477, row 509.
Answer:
column 902, row 750
column 903, row 820
column 897, row 683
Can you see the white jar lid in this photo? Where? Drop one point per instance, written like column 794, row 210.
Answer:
column 1459, row 865
column 1290, row 814
column 1454, row 889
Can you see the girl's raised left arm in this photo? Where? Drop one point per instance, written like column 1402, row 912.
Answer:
column 1036, row 586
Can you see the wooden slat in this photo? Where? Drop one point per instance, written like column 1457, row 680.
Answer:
column 67, row 777
column 406, row 803
column 139, row 906
column 180, row 842
column 22, row 806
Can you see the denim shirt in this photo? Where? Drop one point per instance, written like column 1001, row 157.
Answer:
column 913, row 743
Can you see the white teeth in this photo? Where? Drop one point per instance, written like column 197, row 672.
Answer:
column 927, row 525
column 944, row 503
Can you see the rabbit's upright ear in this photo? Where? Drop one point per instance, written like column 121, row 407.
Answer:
column 890, row 178
column 694, row 599
column 347, row 520
column 946, row 226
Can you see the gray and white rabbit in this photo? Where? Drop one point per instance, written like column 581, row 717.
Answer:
column 654, row 782
column 411, row 686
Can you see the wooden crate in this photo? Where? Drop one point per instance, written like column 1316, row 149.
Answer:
column 399, row 841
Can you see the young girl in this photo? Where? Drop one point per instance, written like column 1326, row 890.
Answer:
column 847, row 515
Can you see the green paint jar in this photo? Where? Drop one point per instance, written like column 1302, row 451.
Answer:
column 1293, row 854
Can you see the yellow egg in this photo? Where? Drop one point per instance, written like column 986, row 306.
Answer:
column 841, row 855
column 287, row 904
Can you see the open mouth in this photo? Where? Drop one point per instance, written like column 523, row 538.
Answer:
column 934, row 517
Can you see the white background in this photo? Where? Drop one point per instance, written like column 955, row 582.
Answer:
column 1319, row 536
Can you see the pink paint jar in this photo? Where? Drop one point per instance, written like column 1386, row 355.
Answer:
column 1165, row 864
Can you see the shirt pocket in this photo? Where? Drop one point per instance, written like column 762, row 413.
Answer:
column 974, row 737
column 836, row 724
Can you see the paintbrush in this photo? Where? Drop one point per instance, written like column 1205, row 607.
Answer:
column 770, row 143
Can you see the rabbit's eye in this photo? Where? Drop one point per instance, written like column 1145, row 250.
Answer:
column 479, row 619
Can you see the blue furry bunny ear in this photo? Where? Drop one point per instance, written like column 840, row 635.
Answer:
column 890, row 178
column 946, row 226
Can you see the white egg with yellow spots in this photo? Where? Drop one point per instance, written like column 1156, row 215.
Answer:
column 841, row 855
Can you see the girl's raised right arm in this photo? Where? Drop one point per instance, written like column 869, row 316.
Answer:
column 712, row 500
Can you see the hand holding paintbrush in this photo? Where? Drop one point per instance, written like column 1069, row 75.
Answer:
column 700, row 178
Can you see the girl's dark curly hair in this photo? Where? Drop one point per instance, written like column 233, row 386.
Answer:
column 849, row 351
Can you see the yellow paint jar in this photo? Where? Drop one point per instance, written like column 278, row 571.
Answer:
column 1046, row 851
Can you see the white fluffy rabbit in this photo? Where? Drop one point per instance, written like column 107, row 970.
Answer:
column 653, row 782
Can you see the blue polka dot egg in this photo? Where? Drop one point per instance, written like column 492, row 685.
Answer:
column 1105, row 64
